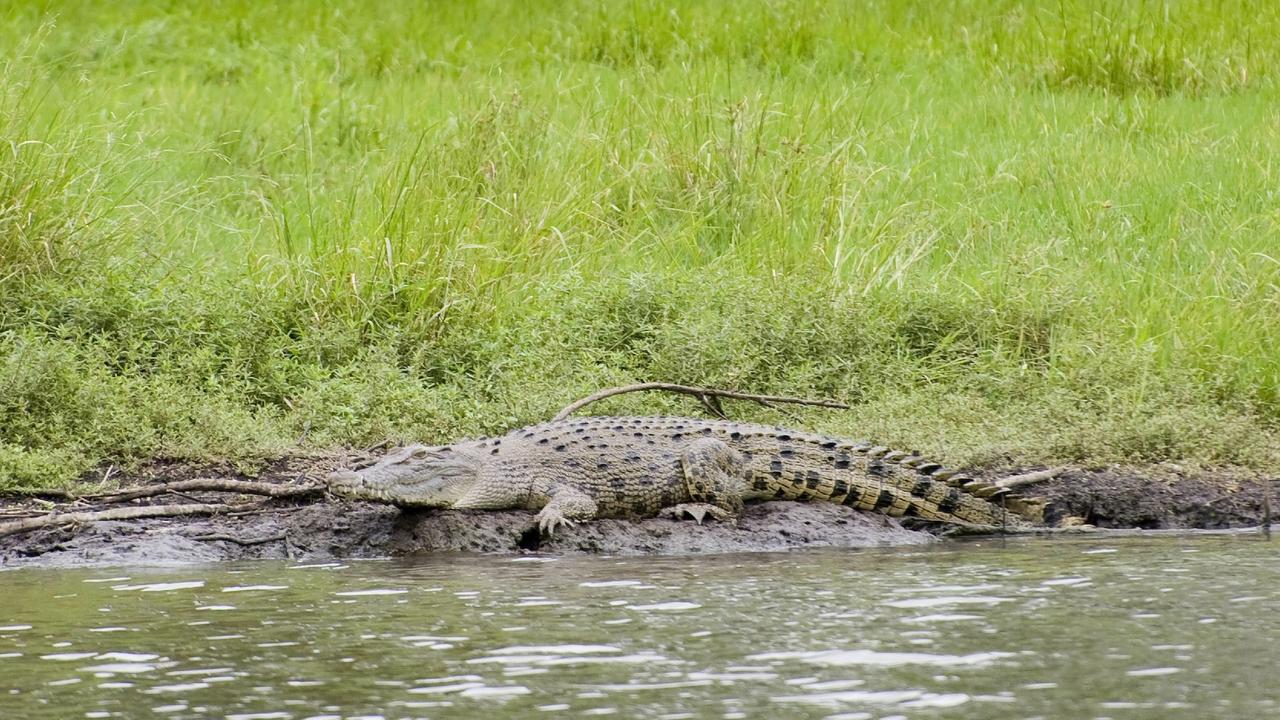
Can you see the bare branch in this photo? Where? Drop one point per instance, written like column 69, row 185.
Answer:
column 707, row 396
column 211, row 485
column 127, row 513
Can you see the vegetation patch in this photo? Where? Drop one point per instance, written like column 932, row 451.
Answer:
column 1010, row 233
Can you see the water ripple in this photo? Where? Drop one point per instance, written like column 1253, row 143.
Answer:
column 371, row 592
column 845, row 635
column 887, row 659
column 674, row 605
column 946, row 600
column 162, row 587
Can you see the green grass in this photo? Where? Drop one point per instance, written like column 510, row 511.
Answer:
column 1008, row 232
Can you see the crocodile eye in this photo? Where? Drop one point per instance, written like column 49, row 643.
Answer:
column 420, row 452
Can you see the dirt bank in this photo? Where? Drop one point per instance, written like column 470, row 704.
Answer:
column 354, row 530
column 323, row 528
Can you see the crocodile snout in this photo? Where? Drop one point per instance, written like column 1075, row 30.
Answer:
column 340, row 480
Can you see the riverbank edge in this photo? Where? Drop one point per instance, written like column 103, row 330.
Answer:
column 1159, row 497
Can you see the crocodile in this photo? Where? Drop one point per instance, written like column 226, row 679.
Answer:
column 579, row 469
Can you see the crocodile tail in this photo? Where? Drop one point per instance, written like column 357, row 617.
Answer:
column 891, row 482
column 924, row 499
column 1026, row 509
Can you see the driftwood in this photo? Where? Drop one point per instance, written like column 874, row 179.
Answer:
column 57, row 516
column 127, row 513
column 243, row 487
column 709, row 397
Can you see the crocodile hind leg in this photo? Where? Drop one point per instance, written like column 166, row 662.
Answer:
column 713, row 476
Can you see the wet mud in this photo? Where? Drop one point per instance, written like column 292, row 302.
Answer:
column 327, row 528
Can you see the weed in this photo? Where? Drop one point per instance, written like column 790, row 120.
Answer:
column 1009, row 232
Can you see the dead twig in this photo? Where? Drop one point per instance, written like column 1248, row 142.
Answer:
column 1031, row 478
column 256, row 508
column 210, row 485
column 185, row 496
column 216, row 537
column 709, row 397
column 126, row 513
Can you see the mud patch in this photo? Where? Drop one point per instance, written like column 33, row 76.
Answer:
column 1159, row 498
column 324, row 531
column 1153, row 498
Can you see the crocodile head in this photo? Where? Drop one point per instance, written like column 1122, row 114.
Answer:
column 413, row 476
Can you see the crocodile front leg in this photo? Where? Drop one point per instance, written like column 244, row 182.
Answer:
column 567, row 506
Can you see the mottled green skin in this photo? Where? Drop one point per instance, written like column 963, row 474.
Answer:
column 584, row 468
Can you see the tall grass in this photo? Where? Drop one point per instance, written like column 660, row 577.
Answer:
column 1011, row 232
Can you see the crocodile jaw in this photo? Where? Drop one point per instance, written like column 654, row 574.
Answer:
column 417, row 476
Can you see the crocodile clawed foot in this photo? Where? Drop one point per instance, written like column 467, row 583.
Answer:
column 697, row 511
column 548, row 519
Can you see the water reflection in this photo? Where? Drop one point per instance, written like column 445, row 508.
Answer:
column 1132, row 628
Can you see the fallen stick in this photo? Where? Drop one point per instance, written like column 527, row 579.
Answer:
column 1031, row 478
column 707, row 396
column 127, row 513
column 22, row 514
column 211, row 485
column 254, row 508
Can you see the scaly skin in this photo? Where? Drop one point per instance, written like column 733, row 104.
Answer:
column 585, row 468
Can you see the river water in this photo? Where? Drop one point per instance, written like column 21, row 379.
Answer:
column 1165, row 627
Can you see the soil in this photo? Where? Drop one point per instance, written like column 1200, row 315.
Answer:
column 1161, row 497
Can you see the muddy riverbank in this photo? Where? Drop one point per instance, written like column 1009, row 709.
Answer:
column 326, row 528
